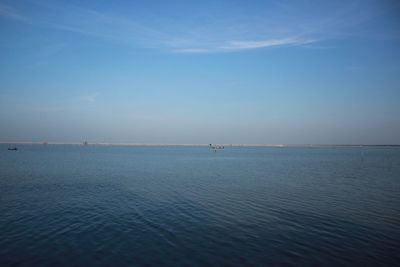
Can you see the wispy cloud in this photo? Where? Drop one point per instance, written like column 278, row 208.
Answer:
column 228, row 33
column 249, row 44
column 10, row 12
column 235, row 45
column 91, row 98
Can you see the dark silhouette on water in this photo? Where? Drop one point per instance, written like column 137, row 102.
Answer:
column 215, row 147
column 13, row 148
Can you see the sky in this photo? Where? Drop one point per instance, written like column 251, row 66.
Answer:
column 199, row 72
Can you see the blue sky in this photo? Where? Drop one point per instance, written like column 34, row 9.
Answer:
column 199, row 72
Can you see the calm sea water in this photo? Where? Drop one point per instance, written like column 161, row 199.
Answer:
column 64, row 205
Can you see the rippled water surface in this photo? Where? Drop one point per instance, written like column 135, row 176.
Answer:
column 64, row 205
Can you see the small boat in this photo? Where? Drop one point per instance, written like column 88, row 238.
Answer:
column 215, row 147
column 13, row 148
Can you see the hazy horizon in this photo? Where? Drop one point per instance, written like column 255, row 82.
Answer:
column 77, row 142
column 174, row 72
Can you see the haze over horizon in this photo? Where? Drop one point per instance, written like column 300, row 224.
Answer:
column 178, row 72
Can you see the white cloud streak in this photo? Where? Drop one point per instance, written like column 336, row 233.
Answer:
column 235, row 45
column 90, row 98
column 217, row 35
column 250, row 44
column 10, row 12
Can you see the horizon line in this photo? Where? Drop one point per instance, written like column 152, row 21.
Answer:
column 195, row 145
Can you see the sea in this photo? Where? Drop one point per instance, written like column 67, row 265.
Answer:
column 75, row 205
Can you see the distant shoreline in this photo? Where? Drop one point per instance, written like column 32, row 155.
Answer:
column 203, row 145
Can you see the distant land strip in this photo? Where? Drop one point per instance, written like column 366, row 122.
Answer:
column 199, row 145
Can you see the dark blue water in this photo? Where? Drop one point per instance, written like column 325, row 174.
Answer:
column 64, row 205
